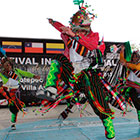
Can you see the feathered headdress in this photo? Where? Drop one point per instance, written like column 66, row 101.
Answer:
column 82, row 18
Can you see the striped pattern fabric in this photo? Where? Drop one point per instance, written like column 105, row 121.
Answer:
column 132, row 84
column 80, row 49
column 13, row 75
column 137, row 73
column 118, row 97
column 90, row 84
column 119, row 71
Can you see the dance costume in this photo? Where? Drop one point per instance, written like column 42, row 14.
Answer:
column 10, row 85
column 82, row 51
column 132, row 89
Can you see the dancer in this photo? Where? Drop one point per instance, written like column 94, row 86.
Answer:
column 80, row 56
column 9, row 86
column 133, row 78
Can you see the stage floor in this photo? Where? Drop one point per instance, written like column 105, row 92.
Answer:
column 74, row 128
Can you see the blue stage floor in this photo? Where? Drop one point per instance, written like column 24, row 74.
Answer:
column 85, row 128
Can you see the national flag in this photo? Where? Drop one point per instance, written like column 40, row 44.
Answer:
column 57, row 48
column 10, row 46
column 102, row 46
column 33, row 47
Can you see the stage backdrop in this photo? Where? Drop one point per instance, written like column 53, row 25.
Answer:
column 34, row 55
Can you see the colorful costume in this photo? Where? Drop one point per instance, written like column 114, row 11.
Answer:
column 80, row 58
column 10, row 86
column 133, row 80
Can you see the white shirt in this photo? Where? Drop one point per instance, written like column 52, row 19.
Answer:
column 132, row 77
column 79, row 62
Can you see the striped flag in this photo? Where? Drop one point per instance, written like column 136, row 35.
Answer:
column 32, row 47
column 57, row 48
column 10, row 46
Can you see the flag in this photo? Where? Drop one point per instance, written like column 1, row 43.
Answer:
column 31, row 47
column 102, row 46
column 10, row 46
column 57, row 48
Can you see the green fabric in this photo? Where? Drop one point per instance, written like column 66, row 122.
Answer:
column 137, row 83
column 13, row 118
column 3, row 78
column 128, row 51
column 22, row 73
column 54, row 71
column 19, row 72
column 109, row 128
column 138, row 113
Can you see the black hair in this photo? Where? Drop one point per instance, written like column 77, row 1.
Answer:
column 133, row 54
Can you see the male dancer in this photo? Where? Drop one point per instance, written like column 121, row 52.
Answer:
column 9, row 85
column 133, row 78
column 80, row 55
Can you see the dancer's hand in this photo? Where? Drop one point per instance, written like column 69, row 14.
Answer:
column 50, row 21
column 68, row 31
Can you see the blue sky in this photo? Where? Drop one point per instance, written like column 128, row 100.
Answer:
column 118, row 20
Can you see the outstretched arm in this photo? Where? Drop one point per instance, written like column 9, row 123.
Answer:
column 122, row 59
column 27, row 74
column 133, row 66
column 90, row 41
column 56, row 24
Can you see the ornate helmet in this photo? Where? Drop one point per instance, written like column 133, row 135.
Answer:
column 81, row 19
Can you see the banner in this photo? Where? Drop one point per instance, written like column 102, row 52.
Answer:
column 35, row 56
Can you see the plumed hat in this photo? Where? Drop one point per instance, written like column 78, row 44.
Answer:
column 81, row 19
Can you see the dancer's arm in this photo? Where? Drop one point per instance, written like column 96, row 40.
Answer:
column 122, row 59
column 128, row 64
column 90, row 41
column 56, row 24
column 133, row 66
column 27, row 74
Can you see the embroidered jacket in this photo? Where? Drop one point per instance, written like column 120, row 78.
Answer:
column 85, row 44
